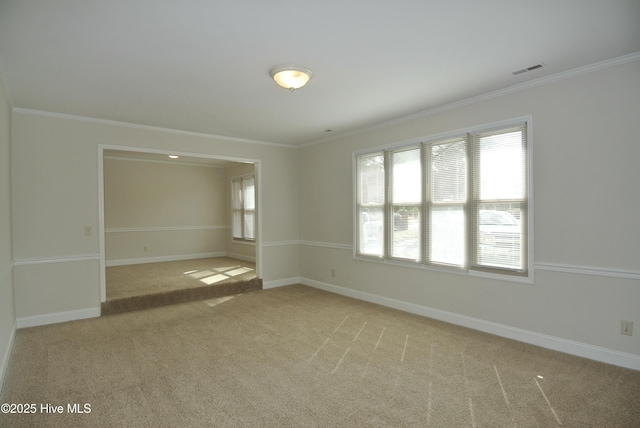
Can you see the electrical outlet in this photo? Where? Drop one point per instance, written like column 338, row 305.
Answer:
column 626, row 327
column 88, row 231
column 145, row 249
column 333, row 272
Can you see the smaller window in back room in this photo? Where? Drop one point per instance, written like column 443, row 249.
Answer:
column 460, row 202
column 243, row 203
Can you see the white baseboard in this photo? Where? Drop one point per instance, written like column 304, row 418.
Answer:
column 175, row 258
column 57, row 317
column 7, row 355
column 579, row 349
column 241, row 257
column 280, row 282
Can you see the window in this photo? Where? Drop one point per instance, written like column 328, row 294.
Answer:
column 243, row 203
column 459, row 202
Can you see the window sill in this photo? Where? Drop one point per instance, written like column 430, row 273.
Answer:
column 244, row 242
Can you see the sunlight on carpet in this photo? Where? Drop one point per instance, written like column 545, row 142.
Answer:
column 218, row 300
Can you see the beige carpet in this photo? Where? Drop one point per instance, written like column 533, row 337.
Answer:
column 299, row 357
column 151, row 278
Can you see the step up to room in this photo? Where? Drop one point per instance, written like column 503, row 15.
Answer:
column 146, row 301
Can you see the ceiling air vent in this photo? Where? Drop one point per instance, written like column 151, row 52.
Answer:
column 524, row 70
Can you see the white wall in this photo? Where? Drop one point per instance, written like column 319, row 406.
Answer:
column 162, row 210
column 587, row 240
column 7, row 310
column 55, row 187
column 587, row 275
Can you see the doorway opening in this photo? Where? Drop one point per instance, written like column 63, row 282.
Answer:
column 166, row 232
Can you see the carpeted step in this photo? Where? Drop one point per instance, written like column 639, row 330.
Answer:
column 127, row 304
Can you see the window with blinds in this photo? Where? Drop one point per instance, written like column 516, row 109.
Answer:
column 460, row 202
column 243, row 208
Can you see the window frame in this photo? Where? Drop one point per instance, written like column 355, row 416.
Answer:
column 242, row 210
column 470, row 240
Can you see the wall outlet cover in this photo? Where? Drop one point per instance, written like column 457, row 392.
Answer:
column 626, row 327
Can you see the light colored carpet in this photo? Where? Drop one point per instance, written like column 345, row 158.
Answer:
column 151, row 278
column 299, row 357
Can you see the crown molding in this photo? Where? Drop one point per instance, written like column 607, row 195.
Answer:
column 147, row 127
column 602, row 65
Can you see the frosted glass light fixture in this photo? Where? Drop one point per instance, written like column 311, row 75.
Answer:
column 291, row 76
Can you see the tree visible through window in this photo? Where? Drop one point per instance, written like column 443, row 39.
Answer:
column 460, row 202
column 243, row 203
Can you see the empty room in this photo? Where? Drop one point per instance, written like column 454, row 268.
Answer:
column 354, row 213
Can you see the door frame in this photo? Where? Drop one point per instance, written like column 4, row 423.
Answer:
column 101, row 203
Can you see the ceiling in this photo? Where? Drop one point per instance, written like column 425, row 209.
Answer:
column 203, row 66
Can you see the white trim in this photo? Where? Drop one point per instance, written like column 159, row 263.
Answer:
column 7, row 356
column 43, row 261
column 551, row 267
column 280, row 243
column 102, row 244
column 584, row 350
column 146, row 127
column 346, row 247
column 45, row 319
column 103, row 147
column 160, row 259
column 164, row 228
column 588, row 270
column 258, row 242
column 243, row 242
column 241, row 257
column 603, row 65
column 5, row 277
column 167, row 162
column 280, row 282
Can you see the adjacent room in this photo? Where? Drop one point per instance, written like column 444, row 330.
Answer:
column 165, row 228
column 360, row 213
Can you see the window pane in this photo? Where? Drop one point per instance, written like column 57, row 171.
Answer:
column 243, row 200
column 406, row 233
column 237, row 224
column 249, row 222
column 371, row 179
column 249, row 194
column 502, row 166
column 449, row 172
column 447, row 235
column 236, row 194
column 371, row 231
column 407, row 176
column 500, row 235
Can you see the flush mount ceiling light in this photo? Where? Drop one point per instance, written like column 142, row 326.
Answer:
column 291, row 76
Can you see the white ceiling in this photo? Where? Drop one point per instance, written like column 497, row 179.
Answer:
column 203, row 66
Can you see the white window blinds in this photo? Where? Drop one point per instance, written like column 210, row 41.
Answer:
column 243, row 208
column 499, row 204
column 461, row 202
column 447, row 182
